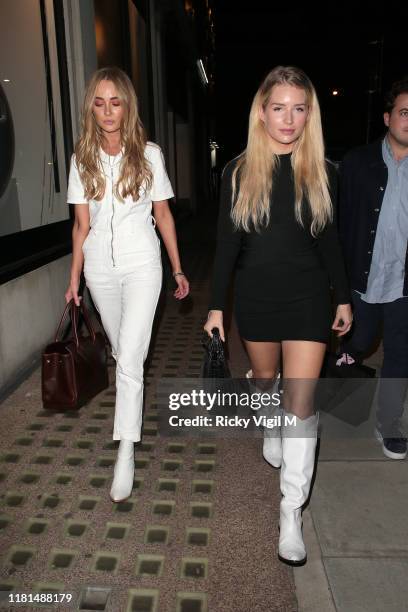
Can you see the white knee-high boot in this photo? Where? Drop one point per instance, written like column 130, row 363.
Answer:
column 298, row 456
column 272, row 445
column 124, row 472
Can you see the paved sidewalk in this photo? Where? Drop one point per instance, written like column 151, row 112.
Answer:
column 356, row 529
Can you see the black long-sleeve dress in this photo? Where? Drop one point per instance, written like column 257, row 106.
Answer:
column 283, row 273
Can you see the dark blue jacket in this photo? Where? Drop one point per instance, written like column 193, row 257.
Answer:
column 363, row 179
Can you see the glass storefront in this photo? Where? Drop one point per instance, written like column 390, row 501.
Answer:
column 34, row 194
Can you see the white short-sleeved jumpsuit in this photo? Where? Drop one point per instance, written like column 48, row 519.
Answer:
column 123, row 272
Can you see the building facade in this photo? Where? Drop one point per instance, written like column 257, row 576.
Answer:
column 49, row 49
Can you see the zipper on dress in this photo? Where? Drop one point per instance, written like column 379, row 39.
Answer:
column 113, row 214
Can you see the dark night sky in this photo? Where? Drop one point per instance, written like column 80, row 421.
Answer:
column 331, row 44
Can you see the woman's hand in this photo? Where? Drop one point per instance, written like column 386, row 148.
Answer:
column 183, row 287
column 344, row 319
column 215, row 319
column 72, row 291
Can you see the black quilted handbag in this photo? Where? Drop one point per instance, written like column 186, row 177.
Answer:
column 215, row 364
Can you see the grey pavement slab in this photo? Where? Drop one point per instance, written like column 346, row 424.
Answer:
column 312, row 587
column 359, row 508
column 349, row 449
column 333, row 427
column 369, row 585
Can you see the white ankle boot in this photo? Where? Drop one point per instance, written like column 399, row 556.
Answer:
column 272, row 444
column 124, row 472
column 298, row 455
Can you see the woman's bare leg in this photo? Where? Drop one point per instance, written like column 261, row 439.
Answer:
column 302, row 358
column 302, row 362
column 264, row 358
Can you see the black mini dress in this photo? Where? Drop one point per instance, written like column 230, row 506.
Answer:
column 283, row 273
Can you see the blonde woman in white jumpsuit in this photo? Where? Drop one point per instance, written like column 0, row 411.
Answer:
column 115, row 241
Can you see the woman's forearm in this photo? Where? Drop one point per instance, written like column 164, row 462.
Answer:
column 78, row 238
column 167, row 230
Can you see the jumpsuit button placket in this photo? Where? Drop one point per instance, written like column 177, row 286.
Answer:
column 113, row 214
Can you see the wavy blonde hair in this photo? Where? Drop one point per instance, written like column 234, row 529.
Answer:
column 135, row 170
column 255, row 166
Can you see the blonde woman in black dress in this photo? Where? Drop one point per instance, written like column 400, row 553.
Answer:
column 277, row 229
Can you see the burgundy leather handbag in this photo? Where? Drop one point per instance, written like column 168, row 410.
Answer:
column 74, row 370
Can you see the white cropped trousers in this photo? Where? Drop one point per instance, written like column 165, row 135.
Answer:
column 125, row 289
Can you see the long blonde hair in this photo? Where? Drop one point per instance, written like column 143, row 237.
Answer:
column 255, row 166
column 134, row 170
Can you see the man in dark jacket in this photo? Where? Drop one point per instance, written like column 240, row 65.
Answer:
column 373, row 218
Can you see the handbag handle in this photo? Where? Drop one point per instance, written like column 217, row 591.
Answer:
column 87, row 319
column 214, row 344
column 74, row 312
